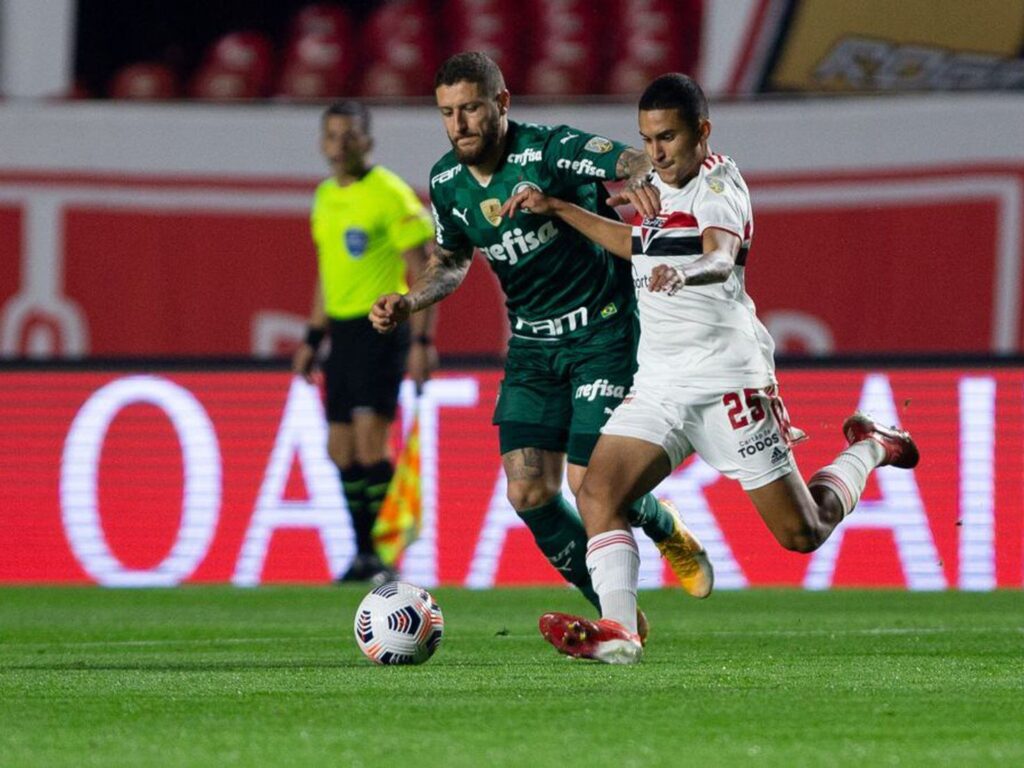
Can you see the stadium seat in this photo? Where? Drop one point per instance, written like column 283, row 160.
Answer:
column 144, row 81
column 652, row 37
column 213, row 82
column 490, row 26
column 316, row 65
column 246, row 54
column 321, row 19
column 566, row 48
column 399, row 44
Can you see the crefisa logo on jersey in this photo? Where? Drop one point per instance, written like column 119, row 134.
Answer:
column 356, row 241
column 528, row 155
column 600, row 388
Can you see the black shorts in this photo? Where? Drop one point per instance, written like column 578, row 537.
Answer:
column 364, row 369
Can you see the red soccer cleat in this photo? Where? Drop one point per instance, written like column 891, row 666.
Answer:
column 900, row 449
column 603, row 640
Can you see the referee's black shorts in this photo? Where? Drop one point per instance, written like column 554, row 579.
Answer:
column 364, row 369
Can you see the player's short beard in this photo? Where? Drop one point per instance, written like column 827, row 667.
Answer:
column 488, row 141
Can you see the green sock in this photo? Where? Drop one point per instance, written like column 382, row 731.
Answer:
column 655, row 520
column 558, row 531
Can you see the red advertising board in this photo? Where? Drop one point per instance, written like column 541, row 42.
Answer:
column 841, row 263
column 176, row 477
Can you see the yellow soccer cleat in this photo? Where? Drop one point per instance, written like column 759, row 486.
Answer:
column 687, row 557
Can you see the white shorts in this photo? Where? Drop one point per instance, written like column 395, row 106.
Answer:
column 745, row 434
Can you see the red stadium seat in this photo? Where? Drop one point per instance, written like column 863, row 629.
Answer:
column 316, row 66
column 144, row 81
column 246, row 54
column 399, row 44
column 214, row 82
column 490, row 26
column 321, row 19
column 302, row 83
column 566, row 48
column 653, row 37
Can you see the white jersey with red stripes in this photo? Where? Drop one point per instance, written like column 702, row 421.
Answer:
column 705, row 336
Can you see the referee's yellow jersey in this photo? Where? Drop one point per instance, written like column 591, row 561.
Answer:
column 361, row 231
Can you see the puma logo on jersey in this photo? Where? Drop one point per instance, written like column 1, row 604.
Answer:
column 464, row 215
column 568, row 137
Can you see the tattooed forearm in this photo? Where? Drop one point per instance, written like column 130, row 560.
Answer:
column 632, row 163
column 444, row 272
column 712, row 267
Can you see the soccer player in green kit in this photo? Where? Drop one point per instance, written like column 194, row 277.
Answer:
column 571, row 305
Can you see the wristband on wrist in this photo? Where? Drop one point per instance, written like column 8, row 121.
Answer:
column 424, row 339
column 314, row 336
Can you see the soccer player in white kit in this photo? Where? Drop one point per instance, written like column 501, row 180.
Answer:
column 706, row 379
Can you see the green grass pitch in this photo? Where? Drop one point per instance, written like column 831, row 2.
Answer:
column 214, row 676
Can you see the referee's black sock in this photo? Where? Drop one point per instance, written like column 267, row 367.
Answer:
column 353, row 484
column 378, row 478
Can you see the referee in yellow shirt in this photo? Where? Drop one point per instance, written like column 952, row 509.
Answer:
column 370, row 228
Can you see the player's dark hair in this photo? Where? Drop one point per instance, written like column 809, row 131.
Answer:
column 472, row 67
column 679, row 92
column 349, row 108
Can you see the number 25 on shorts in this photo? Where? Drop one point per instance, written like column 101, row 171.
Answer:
column 737, row 403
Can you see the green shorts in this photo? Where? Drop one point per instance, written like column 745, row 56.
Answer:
column 556, row 395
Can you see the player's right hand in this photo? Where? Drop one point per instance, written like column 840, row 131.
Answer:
column 302, row 362
column 641, row 194
column 389, row 311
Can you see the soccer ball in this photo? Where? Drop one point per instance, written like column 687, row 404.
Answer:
column 398, row 623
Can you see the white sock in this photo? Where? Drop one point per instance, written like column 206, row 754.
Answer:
column 614, row 564
column 847, row 475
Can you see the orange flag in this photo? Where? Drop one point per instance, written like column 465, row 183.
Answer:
column 401, row 513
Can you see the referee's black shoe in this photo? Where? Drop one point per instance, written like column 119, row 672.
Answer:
column 367, row 568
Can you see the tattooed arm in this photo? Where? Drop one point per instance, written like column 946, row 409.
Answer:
column 444, row 272
column 634, row 166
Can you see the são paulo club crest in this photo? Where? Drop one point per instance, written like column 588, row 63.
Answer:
column 648, row 227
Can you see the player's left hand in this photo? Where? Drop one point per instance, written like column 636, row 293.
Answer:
column 529, row 200
column 666, row 279
column 639, row 192
column 421, row 363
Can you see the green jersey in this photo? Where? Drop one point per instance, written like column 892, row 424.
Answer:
column 557, row 283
